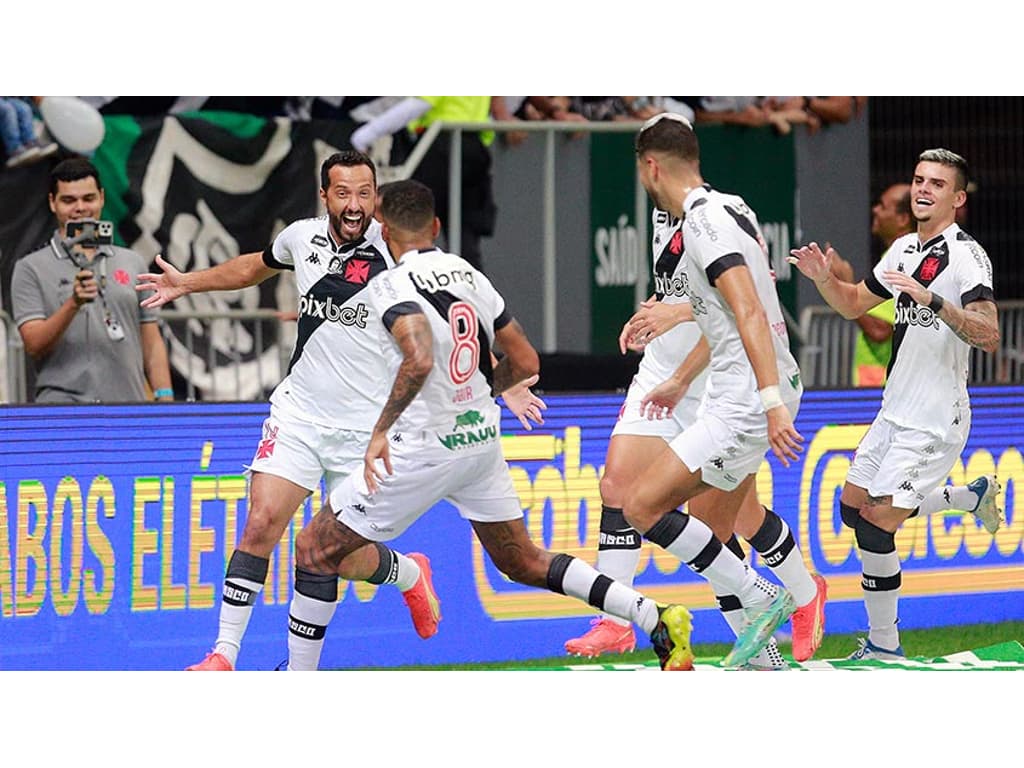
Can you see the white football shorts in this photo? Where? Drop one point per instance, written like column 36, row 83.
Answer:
column 303, row 452
column 904, row 463
column 723, row 454
column 632, row 422
column 477, row 483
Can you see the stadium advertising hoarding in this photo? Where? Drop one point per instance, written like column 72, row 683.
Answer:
column 116, row 523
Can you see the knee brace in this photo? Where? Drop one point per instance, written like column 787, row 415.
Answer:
column 616, row 533
column 849, row 514
column 871, row 538
column 322, row 587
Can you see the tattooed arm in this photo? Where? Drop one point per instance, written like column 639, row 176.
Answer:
column 414, row 339
column 976, row 324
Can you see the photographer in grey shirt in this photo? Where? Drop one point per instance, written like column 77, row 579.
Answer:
column 76, row 308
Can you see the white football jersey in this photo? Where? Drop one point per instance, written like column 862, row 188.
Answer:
column 455, row 408
column 336, row 374
column 663, row 355
column 719, row 232
column 926, row 387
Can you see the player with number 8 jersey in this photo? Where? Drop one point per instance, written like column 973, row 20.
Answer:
column 455, row 412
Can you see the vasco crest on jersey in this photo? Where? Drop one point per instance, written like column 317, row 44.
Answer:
column 357, row 271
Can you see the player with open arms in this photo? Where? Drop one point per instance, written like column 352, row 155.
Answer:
column 321, row 414
column 941, row 279
column 438, row 436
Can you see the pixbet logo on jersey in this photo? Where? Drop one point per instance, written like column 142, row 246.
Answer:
column 915, row 314
column 671, row 285
column 334, row 313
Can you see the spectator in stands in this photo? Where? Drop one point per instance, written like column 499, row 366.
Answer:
column 18, row 133
column 834, row 109
column 890, row 219
column 780, row 112
column 407, row 120
column 75, row 305
column 558, row 108
column 617, row 107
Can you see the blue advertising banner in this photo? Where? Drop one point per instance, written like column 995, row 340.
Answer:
column 116, row 523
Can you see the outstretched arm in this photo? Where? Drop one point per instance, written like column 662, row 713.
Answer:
column 521, row 360
column 240, row 272
column 848, row 299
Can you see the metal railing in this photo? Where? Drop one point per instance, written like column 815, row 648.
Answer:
column 244, row 354
column 221, row 355
column 13, row 382
column 453, row 229
column 827, row 342
column 228, row 354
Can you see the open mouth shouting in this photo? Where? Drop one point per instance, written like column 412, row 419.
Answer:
column 351, row 225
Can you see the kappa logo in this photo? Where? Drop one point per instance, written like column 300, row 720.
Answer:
column 357, row 271
column 313, row 258
column 359, row 508
column 906, row 486
column 719, row 464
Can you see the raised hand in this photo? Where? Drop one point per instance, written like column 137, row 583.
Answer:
column 812, row 262
column 661, row 401
column 906, row 284
column 166, row 286
column 525, row 405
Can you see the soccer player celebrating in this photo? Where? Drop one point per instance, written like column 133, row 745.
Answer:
column 941, row 279
column 437, row 435
column 661, row 403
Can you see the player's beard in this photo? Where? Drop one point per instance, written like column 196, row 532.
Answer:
column 342, row 233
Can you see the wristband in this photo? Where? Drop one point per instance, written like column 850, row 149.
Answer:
column 770, row 397
column 936, row 303
column 164, row 392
